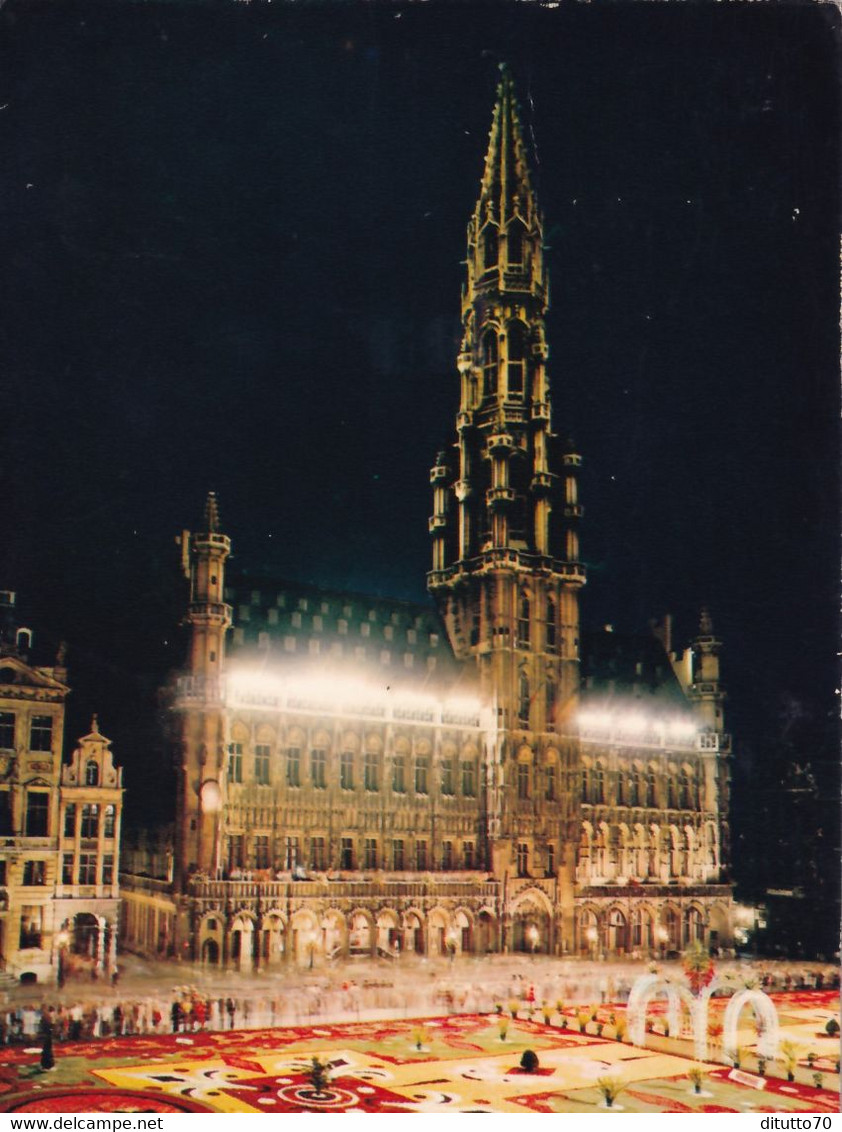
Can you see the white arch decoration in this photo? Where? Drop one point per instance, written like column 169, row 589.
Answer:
column 768, row 1031
column 644, row 989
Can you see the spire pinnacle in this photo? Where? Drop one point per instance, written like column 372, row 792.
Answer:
column 506, row 185
column 211, row 514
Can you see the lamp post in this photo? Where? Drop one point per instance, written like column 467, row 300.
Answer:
column 592, row 935
column 532, row 936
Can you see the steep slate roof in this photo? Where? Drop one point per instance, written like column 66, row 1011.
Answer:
column 619, row 667
column 306, row 625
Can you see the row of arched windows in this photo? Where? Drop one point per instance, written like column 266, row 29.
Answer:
column 640, row 786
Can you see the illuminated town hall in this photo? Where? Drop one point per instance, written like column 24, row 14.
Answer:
column 364, row 777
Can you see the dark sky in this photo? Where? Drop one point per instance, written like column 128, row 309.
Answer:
column 231, row 244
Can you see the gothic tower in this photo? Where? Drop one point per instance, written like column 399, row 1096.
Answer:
column 506, row 570
column 199, row 697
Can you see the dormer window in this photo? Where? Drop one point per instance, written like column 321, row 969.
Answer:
column 92, row 774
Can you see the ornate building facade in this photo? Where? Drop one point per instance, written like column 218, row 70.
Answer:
column 59, row 823
column 364, row 777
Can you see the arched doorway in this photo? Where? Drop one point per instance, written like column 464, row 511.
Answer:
column 84, row 937
column 588, row 933
column 413, row 933
column 273, row 939
column 531, row 923
column 334, row 931
column 387, row 931
column 618, row 932
column 210, row 952
column 438, row 925
column 464, row 932
column 361, row 934
column 486, row 933
column 242, row 943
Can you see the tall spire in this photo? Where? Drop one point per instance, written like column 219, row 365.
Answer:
column 506, row 183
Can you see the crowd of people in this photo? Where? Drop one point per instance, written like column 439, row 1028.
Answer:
column 312, row 999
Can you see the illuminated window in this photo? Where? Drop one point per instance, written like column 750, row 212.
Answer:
column 317, row 768
column 7, row 730
column 92, row 774
column 108, row 821
column 370, row 771
column 370, row 853
column 447, row 784
column 523, row 780
column 317, row 852
column 599, row 785
column 522, row 859
column 70, row 820
column 552, row 703
column 235, row 762
column 469, row 778
column 87, row 868
column 523, row 699
column 346, row 770
column 447, row 854
column 421, row 855
column 550, row 860
column 108, row 869
column 67, row 868
column 468, row 854
column 262, row 753
column 651, row 787
column 550, row 792
column 34, row 873
column 5, row 812
column 671, row 793
column 236, row 851
column 551, row 624
column 523, row 622
column 37, row 813
column 346, row 853
column 292, row 852
column 294, row 766
column 399, row 774
column 262, row 858
column 685, row 794
column 422, row 764
column 41, row 733
column 397, row 855
column 632, row 790
column 31, row 926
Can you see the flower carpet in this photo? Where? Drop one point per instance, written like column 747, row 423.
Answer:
column 458, row 1063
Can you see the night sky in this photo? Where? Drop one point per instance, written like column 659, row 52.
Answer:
column 231, row 244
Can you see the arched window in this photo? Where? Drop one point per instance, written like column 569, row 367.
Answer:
column 516, row 370
column 651, row 787
column 586, row 784
column 551, row 624
column 632, row 793
column 523, row 700
column 552, row 703
column 671, row 792
column 490, row 363
column 92, row 774
column 490, row 247
column 523, row 621
column 684, row 795
column 515, row 238
column 599, row 785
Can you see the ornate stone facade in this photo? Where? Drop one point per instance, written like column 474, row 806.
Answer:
column 358, row 776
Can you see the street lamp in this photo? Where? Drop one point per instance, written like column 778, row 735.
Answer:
column 663, row 935
column 532, row 936
column 592, row 935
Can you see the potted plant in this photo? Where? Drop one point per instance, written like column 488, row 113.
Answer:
column 789, row 1053
column 832, row 1027
column 420, row 1037
column 620, row 1029
column 498, row 1007
column 610, row 1087
column 547, row 1012
column 761, row 1066
column 811, row 1058
column 318, row 1076
column 582, row 1019
column 503, row 1028
column 514, row 1006
column 818, row 1080
column 697, row 1076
